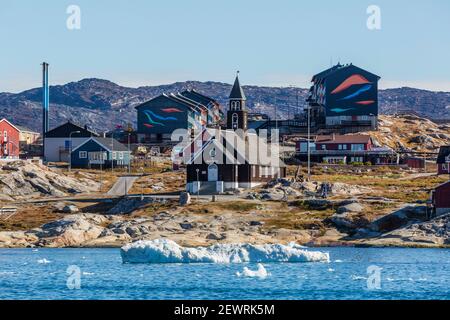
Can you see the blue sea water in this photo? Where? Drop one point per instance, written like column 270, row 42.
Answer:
column 405, row 274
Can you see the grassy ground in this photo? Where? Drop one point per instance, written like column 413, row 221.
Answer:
column 28, row 218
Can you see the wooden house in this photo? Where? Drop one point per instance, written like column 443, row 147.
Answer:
column 219, row 160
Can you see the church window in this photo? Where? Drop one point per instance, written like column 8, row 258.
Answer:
column 234, row 120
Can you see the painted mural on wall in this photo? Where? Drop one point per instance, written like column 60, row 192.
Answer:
column 352, row 94
column 161, row 118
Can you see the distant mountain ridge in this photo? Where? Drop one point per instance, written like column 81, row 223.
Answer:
column 102, row 104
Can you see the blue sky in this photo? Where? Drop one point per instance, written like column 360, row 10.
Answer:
column 274, row 43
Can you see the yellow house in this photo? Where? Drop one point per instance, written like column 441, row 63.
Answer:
column 27, row 137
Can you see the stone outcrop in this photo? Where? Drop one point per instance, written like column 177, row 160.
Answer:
column 432, row 233
column 21, row 179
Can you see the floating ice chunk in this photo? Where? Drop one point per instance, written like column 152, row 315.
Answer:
column 43, row 261
column 167, row 251
column 338, row 261
column 260, row 273
column 355, row 277
column 331, row 270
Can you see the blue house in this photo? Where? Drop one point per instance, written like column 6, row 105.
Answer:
column 100, row 152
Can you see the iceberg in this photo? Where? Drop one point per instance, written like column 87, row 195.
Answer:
column 43, row 261
column 260, row 273
column 168, row 251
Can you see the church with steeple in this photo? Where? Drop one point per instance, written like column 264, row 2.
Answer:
column 233, row 157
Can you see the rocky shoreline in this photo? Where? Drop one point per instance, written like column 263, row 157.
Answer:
column 282, row 211
column 100, row 231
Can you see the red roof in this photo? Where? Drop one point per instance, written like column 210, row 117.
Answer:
column 355, row 138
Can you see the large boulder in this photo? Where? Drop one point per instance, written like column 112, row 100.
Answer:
column 185, row 198
column 351, row 207
column 400, row 218
column 349, row 221
column 73, row 230
column 70, row 209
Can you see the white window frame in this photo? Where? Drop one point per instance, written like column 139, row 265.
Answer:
column 120, row 155
column 114, row 155
column 358, row 147
column 82, row 155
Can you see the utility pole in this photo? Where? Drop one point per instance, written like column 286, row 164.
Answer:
column 70, row 148
column 309, row 139
column 129, row 154
column 198, row 184
column 112, row 150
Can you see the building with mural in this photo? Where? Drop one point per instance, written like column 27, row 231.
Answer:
column 159, row 117
column 344, row 98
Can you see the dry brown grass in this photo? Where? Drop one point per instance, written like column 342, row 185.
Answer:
column 236, row 207
column 29, row 218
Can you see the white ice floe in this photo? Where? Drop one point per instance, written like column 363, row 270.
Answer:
column 331, row 270
column 167, row 251
column 43, row 261
column 260, row 273
column 355, row 277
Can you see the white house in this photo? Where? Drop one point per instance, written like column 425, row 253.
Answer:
column 59, row 141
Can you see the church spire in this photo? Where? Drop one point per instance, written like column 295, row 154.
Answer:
column 236, row 92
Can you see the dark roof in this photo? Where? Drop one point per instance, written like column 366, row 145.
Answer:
column 230, row 152
column 357, row 138
column 179, row 98
column 64, row 131
column 444, row 152
column 256, row 124
column 108, row 143
column 24, row 129
column 324, row 74
column 194, row 105
column 443, row 185
column 236, row 91
column 198, row 97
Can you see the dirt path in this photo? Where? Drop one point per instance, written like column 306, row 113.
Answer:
column 122, row 186
column 418, row 175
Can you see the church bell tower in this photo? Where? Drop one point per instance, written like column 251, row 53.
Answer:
column 237, row 112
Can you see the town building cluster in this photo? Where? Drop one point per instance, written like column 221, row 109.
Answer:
column 225, row 148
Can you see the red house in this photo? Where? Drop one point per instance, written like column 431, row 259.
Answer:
column 440, row 197
column 345, row 149
column 359, row 142
column 9, row 140
column 443, row 160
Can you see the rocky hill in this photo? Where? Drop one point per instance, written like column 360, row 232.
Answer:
column 102, row 104
column 411, row 132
